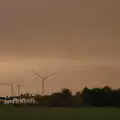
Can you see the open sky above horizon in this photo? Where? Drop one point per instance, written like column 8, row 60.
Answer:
column 77, row 39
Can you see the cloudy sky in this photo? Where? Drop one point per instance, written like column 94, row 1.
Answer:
column 77, row 39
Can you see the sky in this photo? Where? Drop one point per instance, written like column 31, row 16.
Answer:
column 77, row 39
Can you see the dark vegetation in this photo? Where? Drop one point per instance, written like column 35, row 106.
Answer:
column 95, row 97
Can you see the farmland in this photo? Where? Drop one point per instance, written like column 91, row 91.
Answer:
column 33, row 113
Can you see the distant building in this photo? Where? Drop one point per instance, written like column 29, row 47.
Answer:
column 19, row 101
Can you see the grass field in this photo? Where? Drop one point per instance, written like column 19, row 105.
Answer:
column 60, row 113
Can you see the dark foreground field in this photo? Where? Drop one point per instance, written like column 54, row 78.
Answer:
column 60, row 113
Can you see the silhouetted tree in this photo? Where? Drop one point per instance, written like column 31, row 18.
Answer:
column 77, row 99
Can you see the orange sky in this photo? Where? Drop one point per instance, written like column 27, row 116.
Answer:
column 78, row 39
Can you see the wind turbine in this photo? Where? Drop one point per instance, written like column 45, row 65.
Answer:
column 43, row 78
column 11, row 87
column 19, row 89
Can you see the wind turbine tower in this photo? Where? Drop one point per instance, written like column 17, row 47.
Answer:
column 19, row 89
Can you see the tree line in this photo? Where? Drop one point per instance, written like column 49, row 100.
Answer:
column 96, row 97
column 88, row 97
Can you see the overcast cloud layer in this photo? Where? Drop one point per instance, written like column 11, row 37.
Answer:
column 63, row 35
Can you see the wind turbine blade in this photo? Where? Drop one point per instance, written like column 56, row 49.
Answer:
column 19, row 85
column 4, row 83
column 50, row 75
column 37, row 74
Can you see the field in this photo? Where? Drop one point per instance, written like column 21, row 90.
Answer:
column 60, row 113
